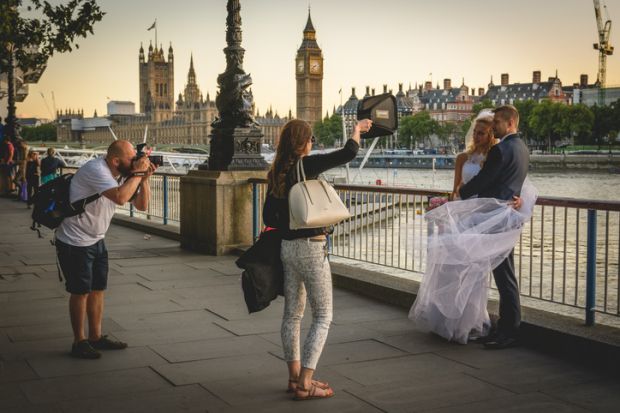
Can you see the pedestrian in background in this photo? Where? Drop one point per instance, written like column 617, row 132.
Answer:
column 33, row 175
column 50, row 166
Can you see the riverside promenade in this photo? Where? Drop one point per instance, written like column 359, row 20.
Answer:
column 193, row 347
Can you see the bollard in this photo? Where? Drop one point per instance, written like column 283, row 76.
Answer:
column 591, row 269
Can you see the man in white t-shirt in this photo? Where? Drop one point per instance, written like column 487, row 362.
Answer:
column 83, row 258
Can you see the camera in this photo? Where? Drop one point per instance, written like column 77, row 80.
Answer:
column 156, row 160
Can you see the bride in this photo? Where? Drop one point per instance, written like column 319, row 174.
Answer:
column 472, row 238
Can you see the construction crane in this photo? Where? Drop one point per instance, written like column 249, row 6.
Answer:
column 603, row 47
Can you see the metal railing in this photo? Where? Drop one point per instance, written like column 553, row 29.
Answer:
column 165, row 202
column 567, row 254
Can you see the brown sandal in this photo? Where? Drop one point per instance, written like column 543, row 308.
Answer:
column 317, row 383
column 312, row 393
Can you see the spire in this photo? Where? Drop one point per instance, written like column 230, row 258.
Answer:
column 191, row 75
column 309, row 26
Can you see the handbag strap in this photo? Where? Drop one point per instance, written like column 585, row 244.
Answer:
column 301, row 174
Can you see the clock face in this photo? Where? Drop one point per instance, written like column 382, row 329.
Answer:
column 300, row 66
column 315, row 66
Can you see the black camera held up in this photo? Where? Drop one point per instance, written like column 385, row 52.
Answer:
column 156, row 160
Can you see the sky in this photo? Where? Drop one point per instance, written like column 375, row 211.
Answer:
column 364, row 43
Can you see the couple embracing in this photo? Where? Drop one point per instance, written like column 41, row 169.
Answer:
column 476, row 234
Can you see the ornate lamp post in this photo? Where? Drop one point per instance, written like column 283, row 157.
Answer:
column 235, row 139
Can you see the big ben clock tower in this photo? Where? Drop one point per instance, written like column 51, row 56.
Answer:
column 309, row 76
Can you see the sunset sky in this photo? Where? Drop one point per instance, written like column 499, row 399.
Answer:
column 363, row 42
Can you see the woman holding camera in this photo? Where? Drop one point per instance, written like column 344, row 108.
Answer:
column 304, row 254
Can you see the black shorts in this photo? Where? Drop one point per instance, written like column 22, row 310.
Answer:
column 85, row 268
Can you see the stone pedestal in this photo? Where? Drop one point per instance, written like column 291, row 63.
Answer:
column 216, row 210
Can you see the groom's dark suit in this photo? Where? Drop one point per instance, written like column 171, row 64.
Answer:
column 502, row 177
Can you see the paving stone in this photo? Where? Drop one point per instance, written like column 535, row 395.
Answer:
column 255, row 365
column 32, row 408
column 15, row 371
column 53, row 330
column 162, row 321
column 351, row 352
column 175, row 271
column 55, row 365
column 192, row 398
column 214, row 348
column 11, row 396
column 600, row 395
column 427, row 393
column 235, row 309
column 357, row 351
column 99, row 384
column 416, row 342
column 525, row 403
column 151, row 307
column 125, row 254
column 399, row 369
column 152, row 261
column 28, row 349
column 356, row 314
column 474, row 355
column 25, row 282
column 30, row 296
column 394, row 327
column 337, row 334
column 256, row 326
column 189, row 282
column 530, row 377
column 221, row 292
column 124, row 279
column 171, row 335
column 268, row 395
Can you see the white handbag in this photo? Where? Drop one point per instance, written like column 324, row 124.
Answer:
column 314, row 203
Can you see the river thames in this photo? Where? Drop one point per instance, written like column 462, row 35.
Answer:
column 565, row 183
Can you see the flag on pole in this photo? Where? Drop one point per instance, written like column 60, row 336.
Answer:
column 152, row 25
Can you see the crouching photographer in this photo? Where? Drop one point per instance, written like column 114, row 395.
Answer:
column 121, row 177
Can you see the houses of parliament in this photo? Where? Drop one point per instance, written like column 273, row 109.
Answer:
column 186, row 119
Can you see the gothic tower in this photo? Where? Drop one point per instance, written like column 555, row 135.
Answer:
column 157, row 83
column 192, row 94
column 309, row 76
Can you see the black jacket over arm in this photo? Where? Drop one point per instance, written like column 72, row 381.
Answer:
column 275, row 210
column 503, row 172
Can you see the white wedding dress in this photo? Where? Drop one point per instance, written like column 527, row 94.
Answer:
column 469, row 239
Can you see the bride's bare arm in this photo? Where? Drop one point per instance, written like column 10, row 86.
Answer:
column 458, row 173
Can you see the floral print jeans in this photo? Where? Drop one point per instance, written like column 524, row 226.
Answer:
column 306, row 273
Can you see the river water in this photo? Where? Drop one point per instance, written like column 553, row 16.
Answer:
column 565, row 183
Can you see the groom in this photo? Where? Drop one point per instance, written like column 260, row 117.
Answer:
column 502, row 177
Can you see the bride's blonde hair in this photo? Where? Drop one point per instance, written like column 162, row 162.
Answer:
column 486, row 121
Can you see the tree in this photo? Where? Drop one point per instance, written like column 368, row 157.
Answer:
column 603, row 123
column 42, row 133
column 329, row 130
column 578, row 122
column 418, row 127
column 483, row 104
column 525, row 109
column 29, row 42
column 546, row 121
